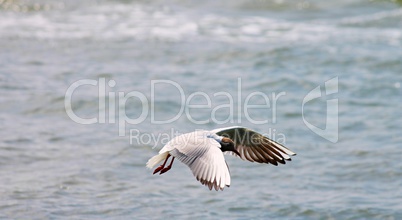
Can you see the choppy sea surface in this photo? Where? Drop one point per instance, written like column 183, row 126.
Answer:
column 174, row 54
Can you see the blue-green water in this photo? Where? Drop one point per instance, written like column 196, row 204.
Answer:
column 54, row 168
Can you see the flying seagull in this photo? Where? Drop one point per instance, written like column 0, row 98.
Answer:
column 203, row 150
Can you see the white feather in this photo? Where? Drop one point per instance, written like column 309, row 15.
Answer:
column 203, row 156
column 156, row 159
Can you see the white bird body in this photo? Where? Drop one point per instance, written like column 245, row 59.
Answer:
column 202, row 151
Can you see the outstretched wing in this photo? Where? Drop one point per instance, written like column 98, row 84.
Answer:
column 207, row 163
column 255, row 147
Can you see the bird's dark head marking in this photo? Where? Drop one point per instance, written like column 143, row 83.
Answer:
column 228, row 145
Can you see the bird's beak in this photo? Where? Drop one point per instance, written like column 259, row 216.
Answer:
column 236, row 152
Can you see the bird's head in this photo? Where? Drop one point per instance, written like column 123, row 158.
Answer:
column 228, row 145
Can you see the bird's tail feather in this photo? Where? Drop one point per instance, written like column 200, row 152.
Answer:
column 156, row 159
